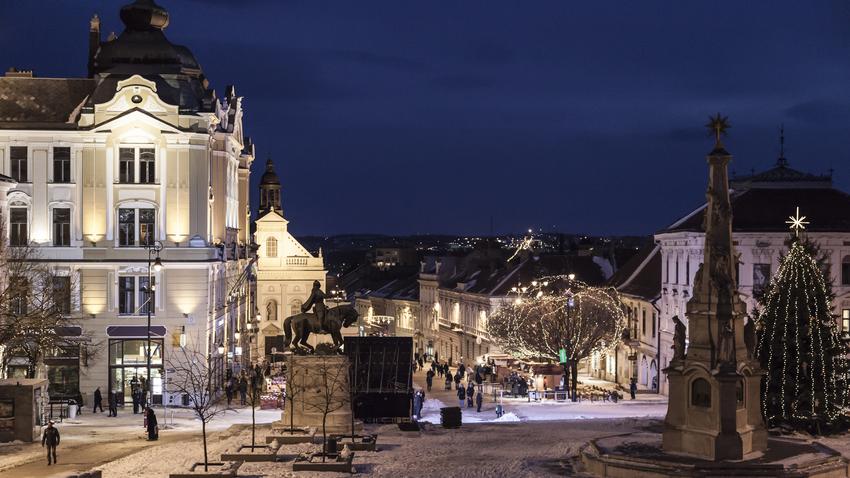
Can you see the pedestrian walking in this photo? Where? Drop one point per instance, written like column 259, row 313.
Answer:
column 98, row 401
column 457, row 380
column 113, row 404
column 243, row 389
column 633, row 388
column 417, row 405
column 134, row 393
column 50, row 437
column 479, row 399
column 461, row 395
column 429, row 379
column 228, row 391
column 151, row 424
column 448, row 382
column 470, row 392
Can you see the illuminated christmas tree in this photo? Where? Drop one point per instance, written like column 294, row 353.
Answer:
column 800, row 347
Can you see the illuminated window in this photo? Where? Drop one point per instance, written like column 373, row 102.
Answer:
column 845, row 320
column 134, row 297
column 271, row 247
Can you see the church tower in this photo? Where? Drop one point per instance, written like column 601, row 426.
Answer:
column 270, row 191
column 714, row 411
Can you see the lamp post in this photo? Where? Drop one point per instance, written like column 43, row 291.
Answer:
column 154, row 264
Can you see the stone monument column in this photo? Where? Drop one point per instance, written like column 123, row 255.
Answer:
column 714, row 409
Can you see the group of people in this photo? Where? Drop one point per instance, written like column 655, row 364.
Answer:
column 467, row 394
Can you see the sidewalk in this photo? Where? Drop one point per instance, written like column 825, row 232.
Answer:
column 94, row 438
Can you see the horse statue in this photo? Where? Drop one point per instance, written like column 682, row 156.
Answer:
column 302, row 325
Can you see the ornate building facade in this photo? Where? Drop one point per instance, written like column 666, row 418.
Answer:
column 285, row 269
column 142, row 152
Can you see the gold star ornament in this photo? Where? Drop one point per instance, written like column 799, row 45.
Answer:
column 797, row 223
column 717, row 126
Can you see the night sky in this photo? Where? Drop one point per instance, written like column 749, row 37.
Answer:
column 436, row 116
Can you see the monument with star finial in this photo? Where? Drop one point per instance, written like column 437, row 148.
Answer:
column 714, row 411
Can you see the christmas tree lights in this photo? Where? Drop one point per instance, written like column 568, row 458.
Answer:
column 802, row 351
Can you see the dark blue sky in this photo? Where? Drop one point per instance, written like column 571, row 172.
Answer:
column 434, row 116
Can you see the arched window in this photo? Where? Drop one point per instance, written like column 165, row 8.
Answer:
column 845, row 270
column 700, row 393
column 271, row 247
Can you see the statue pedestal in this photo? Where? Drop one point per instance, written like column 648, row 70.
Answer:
column 714, row 415
column 320, row 383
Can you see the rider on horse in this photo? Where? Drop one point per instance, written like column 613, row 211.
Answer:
column 317, row 301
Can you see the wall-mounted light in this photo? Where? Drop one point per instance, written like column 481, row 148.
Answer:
column 236, row 335
column 183, row 336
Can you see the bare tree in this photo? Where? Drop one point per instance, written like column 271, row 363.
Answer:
column 35, row 310
column 557, row 313
column 293, row 389
column 194, row 377
column 326, row 386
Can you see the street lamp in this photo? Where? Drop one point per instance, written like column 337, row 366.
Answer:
column 155, row 264
column 221, row 349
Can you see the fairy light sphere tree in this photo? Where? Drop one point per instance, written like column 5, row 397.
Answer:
column 559, row 312
column 800, row 347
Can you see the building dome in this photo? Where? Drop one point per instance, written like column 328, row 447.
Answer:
column 269, row 177
column 270, row 190
column 143, row 49
column 144, row 15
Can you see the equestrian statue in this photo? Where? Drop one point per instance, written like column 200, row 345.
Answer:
column 297, row 328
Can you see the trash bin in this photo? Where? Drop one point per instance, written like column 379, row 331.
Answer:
column 331, row 446
column 450, row 417
column 72, row 410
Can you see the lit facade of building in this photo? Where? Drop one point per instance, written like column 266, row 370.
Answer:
column 285, row 269
column 142, row 151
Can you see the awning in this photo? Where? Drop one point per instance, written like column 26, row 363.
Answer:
column 135, row 331
column 69, row 331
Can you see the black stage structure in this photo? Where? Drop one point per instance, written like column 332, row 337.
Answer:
column 381, row 377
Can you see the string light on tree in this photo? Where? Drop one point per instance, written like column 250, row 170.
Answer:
column 558, row 312
column 800, row 347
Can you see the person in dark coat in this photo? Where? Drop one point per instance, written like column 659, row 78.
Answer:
column 151, row 424
column 470, row 392
column 113, row 404
column 448, row 382
column 243, row 390
column 228, row 391
column 98, row 400
column 417, row 405
column 461, row 369
column 633, row 388
column 461, row 395
column 457, row 380
column 134, row 393
column 479, row 399
column 429, row 379
column 50, row 437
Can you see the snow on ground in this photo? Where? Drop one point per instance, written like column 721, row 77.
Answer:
column 97, row 428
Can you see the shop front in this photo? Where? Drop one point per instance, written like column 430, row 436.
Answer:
column 128, row 361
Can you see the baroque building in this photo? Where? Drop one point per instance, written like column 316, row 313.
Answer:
column 285, row 269
column 142, row 152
